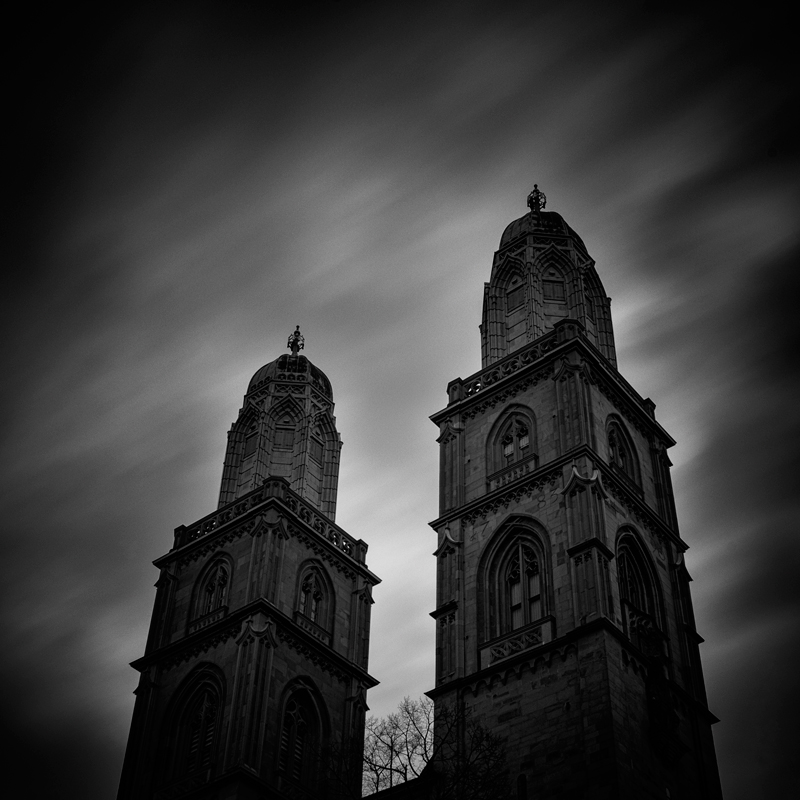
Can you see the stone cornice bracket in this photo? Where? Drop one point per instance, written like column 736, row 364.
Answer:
column 577, row 483
column 258, row 626
column 450, row 431
column 448, row 542
column 564, row 367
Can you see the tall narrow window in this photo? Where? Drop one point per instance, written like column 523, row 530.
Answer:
column 515, row 297
column 638, row 598
column 192, row 749
column 284, row 437
column 523, row 588
column 312, row 602
column 315, row 446
column 250, row 443
column 553, row 286
column 621, row 452
column 300, row 733
column 213, row 593
column 514, row 442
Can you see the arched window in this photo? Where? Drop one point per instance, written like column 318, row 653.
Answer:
column 199, row 732
column 512, row 441
column 621, row 452
column 250, row 440
column 638, row 596
column 316, row 446
column 515, row 294
column 521, row 587
column 553, row 286
column 314, row 597
column 211, row 593
column 284, row 433
column 299, row 745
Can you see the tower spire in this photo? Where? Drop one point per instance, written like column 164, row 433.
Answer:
column 536, row 199
column 296, row 341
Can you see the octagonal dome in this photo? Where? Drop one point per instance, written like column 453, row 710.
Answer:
column 547, row 222
column 292, row 368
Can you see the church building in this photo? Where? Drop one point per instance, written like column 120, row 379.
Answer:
column 564, row 618
column 564, row 625
column 255, row 668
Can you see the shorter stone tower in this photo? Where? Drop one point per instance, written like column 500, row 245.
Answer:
column 254, row 677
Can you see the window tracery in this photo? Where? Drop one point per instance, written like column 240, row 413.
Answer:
column 299, row 742
column 638, row 597
column 314, row 599
column 523, row 588
column 513, row 442
column 621, row 453
column 212, row 593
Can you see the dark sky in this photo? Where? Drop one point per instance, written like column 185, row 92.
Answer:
column 188, row 185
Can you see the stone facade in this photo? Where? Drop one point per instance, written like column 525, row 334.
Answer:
column 254, row 678
column 564, row 622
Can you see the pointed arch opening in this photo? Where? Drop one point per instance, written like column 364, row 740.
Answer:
column 314, row 603
column 302, row 737
column 511, row 446
column 210, row 596
column 554, row 287
column 639, row 595
column 190, row 750
column 621, row 452
column 513, row 590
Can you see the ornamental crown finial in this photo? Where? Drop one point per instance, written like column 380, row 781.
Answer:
column 536, row 199
column 296, row 341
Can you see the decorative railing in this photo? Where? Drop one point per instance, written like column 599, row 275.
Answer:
column 515, row 642
column 274, row 488
column 311, row 627
column 208, row 619
column 511, row 473
column 627, row 479
column 507, row 366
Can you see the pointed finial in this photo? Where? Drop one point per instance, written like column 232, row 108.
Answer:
column 536, row 199
column 296, row 341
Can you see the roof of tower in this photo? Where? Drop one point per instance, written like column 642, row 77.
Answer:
column 538, row 221
column 293, row 368
column 548, row 222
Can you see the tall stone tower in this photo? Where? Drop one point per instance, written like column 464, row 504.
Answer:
column 254, row 676
column 564, row 619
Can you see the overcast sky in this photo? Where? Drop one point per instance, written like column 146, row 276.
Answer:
column 190, row 185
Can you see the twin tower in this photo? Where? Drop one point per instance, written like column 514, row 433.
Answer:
column 563, row 615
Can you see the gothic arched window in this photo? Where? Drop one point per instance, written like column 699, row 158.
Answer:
column 211, row 593
column 638, row 596
column 284, row 434
column 250, row 440
column 316, row 445
column 621, row 452
column 515, row 295
column 300, row 739
column 314, row 597
column 513, row 441
column 553, row 286
column 521, row 587
column 200, row 732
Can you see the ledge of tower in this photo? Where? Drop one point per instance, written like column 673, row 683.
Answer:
column 547, row 222
column 292, row 368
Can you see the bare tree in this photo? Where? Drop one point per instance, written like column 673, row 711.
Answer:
column 460, row 758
